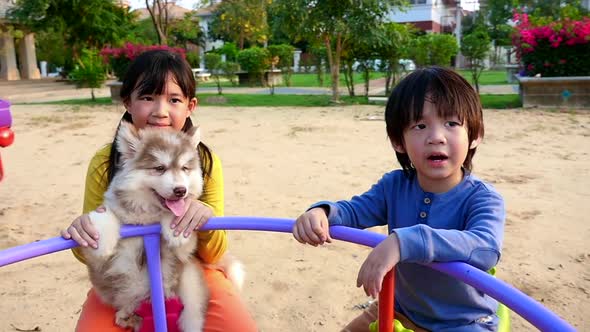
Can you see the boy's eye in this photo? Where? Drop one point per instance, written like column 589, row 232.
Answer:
column 453, row 124
column 176, row 100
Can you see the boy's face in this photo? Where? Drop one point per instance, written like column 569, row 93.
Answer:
column 437, row 147
column 170, row 109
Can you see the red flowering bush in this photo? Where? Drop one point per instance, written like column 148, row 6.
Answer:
column 560, row 48
column 119, row 58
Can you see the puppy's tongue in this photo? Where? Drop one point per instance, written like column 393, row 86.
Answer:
column 176, row 206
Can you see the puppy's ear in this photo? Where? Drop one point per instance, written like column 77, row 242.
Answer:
column 195, row 134
column 127, row 140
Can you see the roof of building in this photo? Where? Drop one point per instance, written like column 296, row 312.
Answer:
column 174, row 11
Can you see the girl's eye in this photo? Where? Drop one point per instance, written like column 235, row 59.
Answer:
column 160, row 168
column 419, row 126
column 453, row 124
column 146, row 98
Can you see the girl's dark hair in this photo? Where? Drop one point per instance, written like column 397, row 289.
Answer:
column 148, row 74
column 451, row 94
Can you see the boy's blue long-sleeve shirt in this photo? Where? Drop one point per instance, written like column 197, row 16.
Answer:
column 464, row 224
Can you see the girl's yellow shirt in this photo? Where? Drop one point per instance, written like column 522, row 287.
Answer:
column 211, row 245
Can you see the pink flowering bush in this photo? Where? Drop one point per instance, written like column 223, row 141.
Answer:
column 119, row 58
column 559, row 48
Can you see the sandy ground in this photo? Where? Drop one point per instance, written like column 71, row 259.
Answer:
column 276, row 162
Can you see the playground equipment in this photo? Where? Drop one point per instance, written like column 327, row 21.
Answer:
column 531, row 310
column 6, row 135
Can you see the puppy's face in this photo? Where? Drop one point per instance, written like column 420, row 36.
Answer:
column 160, row 165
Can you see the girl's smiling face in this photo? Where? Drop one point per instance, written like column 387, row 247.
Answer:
column 437, row 147
column 167, row 110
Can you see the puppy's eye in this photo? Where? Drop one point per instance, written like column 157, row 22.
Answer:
column 186, row 168
column 160, row 168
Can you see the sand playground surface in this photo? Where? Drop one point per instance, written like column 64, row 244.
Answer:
column 277, row 161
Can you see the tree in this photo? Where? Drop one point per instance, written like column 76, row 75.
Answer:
column 85, row 24
column 475, row 47
column 158, row 10
column 214, row 64
column 333, row 23
column 89, row 71
column 241, row 21
column 498, row 13
column 186, row 31
column 397, row 40
column 550, row 10
column 433, row 49
column 284, row 53
column 255, row 61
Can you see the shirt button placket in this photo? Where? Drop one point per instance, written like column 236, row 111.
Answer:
column 425, row 208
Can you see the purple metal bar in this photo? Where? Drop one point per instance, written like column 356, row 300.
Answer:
column 151, row 243
column 5, row 116
column 529, row 309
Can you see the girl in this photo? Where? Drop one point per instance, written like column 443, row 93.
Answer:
column 159, row 91
column 436, row 210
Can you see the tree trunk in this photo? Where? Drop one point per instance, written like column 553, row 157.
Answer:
column 160, row 26
column 348, row 78
column 334, row 61
column 367, row 74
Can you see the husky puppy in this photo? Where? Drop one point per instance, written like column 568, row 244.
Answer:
column 160, row 170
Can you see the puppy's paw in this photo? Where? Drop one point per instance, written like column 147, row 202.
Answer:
column 174, row 241
column 108, row 228
column 126, row 320
column 191, row 321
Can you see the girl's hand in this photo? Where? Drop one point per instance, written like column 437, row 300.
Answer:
column 312, row 227
column 82, row 231
column 197, row 214
column 380, row 261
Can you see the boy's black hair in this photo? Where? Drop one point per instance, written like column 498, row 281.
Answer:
column 445, row 88
column 148, row 74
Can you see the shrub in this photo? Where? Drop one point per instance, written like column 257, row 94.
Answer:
column 193, row 59
column 433, row 49
column 255, row 61
column 557, row 48
column 284, row 52
column 230, row 50
column 119, row 58
column 89, row 71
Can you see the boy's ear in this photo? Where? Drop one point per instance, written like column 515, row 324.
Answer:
column 398, row 147
column 475, row 143
column 127, row 140
column 195, row 134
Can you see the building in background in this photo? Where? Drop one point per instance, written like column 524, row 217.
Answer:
column 11, row 67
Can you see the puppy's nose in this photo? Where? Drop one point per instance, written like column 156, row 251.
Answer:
column 179, row 191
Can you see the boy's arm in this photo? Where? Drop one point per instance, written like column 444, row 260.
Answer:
column 478, row 245
column 213, row 244
column 363, row 211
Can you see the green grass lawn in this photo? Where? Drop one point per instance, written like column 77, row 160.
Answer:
column 303, row 80
column 488, row 77
column 500, row 101
column 264, row 100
